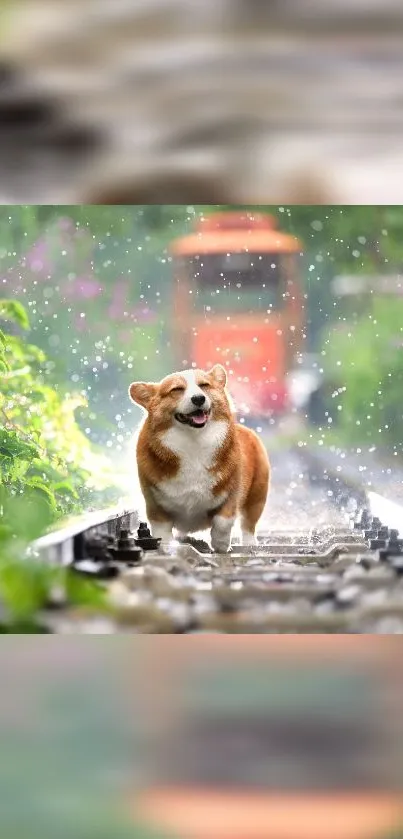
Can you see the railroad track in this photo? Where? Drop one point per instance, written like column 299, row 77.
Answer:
column 329, row 560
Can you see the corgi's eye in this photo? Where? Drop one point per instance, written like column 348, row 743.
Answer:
column 178, row 389
column 204, row 385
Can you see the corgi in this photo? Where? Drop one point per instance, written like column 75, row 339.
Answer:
column 198, row 468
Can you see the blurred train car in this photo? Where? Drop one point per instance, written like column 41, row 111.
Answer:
column 249, row 739
column 238, row 300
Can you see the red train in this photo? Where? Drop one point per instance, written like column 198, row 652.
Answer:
column 238, row 299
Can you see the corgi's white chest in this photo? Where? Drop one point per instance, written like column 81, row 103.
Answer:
column 189, row 495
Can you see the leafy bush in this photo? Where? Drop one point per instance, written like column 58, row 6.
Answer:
column 48, row 468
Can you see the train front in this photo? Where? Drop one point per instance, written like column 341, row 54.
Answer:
column 238, row 301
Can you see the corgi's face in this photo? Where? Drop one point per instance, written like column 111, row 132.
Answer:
column 190, row 399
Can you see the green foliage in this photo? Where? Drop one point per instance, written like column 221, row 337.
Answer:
column 12, row 310
column 48, row 469
column 364, row 361
column 27, row 582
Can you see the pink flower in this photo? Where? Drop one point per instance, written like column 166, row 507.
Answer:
column 125, row 336
column 80, row 324
column 118, row 305
column 66, row 224
column 143, row 314
column 37, row 259
column 82, row 288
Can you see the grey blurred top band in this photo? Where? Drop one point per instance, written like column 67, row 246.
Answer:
column 201, row 101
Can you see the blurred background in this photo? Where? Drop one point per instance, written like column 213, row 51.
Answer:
column 215, row 737
column 130, row 101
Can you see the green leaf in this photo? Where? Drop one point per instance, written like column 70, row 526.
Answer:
column 28, row 515
column 5, row 533
column 6, row 464
column 44, row 470
column 19, row 469
column 25, row 585
column 15, row 312
column 83, row 592
column 64, row 488
column 39, row 487
column 12, row 445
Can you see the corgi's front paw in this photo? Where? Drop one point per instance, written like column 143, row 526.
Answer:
column 163, row 531
column 167, row 548
column 220, row 546
column 221, row 534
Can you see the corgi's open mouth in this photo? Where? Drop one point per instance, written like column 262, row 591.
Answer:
column 197, row 418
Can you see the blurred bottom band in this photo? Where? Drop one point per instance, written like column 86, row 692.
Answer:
column 209, row 814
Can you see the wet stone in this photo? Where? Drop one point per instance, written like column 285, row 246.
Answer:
column 325, row 606
column 368, row 561
column 255, row 563
column 227, row 607
column 397, row 564
column 354, row 573
column 385, row 626
column 347, row 596
column 169, row 564
column 373, row 599
column 340, row 564
column 96, row 570
column 379, row 574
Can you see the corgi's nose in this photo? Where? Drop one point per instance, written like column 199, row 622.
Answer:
column 198, row 400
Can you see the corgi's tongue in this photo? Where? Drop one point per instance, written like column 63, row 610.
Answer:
column 199, row 418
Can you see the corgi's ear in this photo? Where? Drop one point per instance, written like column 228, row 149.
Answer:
column 142, row 392
column 219, row 375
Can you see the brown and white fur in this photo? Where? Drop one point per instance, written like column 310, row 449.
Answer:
column 198, row 468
